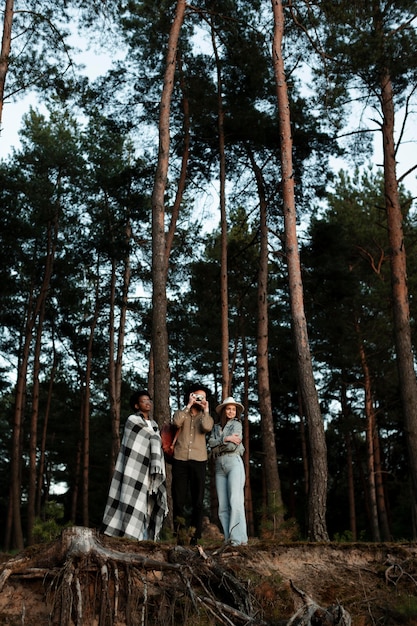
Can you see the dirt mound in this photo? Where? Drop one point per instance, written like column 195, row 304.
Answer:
column 94, row 580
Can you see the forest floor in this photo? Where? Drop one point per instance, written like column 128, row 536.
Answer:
column 120, row 582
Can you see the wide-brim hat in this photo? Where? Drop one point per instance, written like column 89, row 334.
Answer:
column 230, row 400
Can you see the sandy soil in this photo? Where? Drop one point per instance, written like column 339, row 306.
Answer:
column 375, row 583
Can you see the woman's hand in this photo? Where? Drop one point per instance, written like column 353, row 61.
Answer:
column 235, row 438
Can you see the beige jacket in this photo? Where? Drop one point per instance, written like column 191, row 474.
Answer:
column 191, row 443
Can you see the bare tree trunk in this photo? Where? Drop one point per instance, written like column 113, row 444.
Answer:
column 399, row 288
column 33, row 311
column 42, row 455
column 86, row 443
column 224, row 299
column 304, row 447
column 16, row 451
column 317, row 530
column 379, row 519
column 49, row 263
column 165, row 413
column 351, row 487
column 370, row 427
column 161, row 405
column 114, row 410
column 362, row 477
column 77, row 464
column 349, row 462
column 159, row 263
column 116, row 354
column 275, row 508
column 86, row 412
column 380, row 489
column 33, row 437
column 246, row 442
column 183, row 171
column 5, row 50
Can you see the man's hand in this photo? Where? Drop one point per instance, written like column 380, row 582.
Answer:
column 193, row 400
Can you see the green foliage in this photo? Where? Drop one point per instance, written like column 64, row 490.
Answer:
column 406, row 607
column 272, row 525
column 347, row 536
column 184, row 533
column 91, row 176
column 49, row 527
column 356, row 48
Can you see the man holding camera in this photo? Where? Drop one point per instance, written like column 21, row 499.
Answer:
column 190, row 461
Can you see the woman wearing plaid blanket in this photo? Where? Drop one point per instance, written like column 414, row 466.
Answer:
column 137, row 501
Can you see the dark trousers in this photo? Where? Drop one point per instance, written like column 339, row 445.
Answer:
column 188, row 481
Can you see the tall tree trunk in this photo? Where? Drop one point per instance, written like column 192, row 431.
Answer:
column 349, row 463
column 224, row 298
column 351, row 486
column 49, row 263
column 246, row 442
column 6, row 42
column 183, row 171
column 116, row 345
column 33, row 311
column 317, row 529
column 114, row 409
column 304, row 448
column 42, row 454
column 399, row 288
column 159, row 274
column 77, row 464
column 86, row 403
column 274, row 496
column 16, row 452
column 380, row 489
column 33, row 436
column 377, row 508
column 370, row 427
column 357, row 445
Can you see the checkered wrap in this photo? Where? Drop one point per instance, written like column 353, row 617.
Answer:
column 137, row 501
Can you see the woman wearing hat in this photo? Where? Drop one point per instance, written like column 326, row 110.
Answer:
column 226, row 443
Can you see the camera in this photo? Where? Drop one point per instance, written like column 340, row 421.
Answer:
column 198, row 397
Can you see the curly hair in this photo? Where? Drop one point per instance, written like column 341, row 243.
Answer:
column 134, row 398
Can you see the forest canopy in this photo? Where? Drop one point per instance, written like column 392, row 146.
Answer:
column 77, row 249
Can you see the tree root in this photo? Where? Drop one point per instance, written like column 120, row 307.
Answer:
column 312, row 614
column 88, row 583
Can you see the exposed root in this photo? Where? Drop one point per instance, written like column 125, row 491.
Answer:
column 88, row 583
column 396, row 571
column 311, row 614
column 84, row 584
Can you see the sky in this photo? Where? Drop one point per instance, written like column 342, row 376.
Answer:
column 96, row 64
column 13, row 112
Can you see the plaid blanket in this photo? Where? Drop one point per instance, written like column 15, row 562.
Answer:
column 137, row 500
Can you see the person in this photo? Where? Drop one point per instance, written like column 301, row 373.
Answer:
column 226, row 443
column 137, row 500
column 189, row 462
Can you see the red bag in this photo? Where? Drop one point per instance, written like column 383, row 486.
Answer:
column 169, row 435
